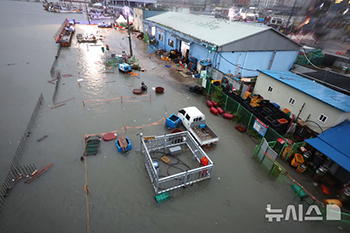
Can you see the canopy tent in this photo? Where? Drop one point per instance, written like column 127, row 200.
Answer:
column 293, row 37
column 308, row 39
column 122, row 20
column 334, row 144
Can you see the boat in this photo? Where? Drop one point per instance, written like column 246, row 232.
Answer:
column 86, row 39
column 123, row 144
column 66, row 39
column 92, row 144
column 65, row 33
column 62, row 8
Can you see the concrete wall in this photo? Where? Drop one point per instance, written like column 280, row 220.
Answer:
column 282, row 93
column 282, row 60
column 138, row 17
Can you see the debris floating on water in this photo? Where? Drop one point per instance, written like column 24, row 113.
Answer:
column 57, row 106
column 67, row 75
column 42, row 138
column 65, row 100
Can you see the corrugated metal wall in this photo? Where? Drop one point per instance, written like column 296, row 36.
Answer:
column 264, row 41
column 251, row 61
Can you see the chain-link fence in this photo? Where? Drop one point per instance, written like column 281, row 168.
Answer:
column 266, row 155
column 241, row 115
column 16, row 171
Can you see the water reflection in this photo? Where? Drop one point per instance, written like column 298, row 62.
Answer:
column 91, row 66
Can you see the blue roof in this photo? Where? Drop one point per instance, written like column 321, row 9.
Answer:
column 318, row 91
column 334, row 143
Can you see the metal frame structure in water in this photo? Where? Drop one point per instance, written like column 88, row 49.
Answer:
column 151, row 144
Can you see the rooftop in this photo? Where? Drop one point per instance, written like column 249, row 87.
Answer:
column 212, row 30
column 318, row 91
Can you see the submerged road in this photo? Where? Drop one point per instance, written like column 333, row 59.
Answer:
column 120, row 194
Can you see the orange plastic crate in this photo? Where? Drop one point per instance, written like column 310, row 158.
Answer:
column 282, row 121
column 286, row 110
column 297, row 160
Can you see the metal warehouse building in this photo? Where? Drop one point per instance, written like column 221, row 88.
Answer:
column 232, row 47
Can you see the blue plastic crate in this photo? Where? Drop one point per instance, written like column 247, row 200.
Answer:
column 276, row 105
column 172, row 121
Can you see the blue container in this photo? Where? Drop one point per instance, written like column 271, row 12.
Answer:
column 202, row 126
column 155, row 164
column 120, row 150
column 276, row 105
column 172, row 121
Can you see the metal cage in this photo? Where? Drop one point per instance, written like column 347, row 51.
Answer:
column 183, row 139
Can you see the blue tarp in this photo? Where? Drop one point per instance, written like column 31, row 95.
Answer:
column 334, row 143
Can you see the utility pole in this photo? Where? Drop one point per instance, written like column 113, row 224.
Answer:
column 87, row 13
column 127, row 21
column 290, row 16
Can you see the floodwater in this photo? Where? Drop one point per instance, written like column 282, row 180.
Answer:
column 121, row 198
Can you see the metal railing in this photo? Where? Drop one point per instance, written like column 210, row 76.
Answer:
column 183, row 179
column 16, row 171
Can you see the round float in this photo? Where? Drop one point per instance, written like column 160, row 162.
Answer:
column 214, row 110
column 209, row 103
column 109, row 136
column 137, row 91
column 228, row 116
column 221, row 111
column 159, row 90
column 176, row 130
column 214, row 103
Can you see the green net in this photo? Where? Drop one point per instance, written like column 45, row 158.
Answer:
column 245, row 116
column 231, row 105
column 272, row 135
column 211, row 88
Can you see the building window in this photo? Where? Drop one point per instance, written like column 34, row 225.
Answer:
column 323, row 118
column 291, row 101
column 160, row 37
column 171, row 43
column 270, row 89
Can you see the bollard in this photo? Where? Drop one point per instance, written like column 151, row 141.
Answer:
column 83, row 104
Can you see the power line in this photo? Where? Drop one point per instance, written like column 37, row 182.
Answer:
column 236, row 64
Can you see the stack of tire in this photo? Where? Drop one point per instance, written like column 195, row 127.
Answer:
column 216, row 110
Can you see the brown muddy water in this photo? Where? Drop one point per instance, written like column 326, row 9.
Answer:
column 121, row 197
